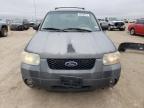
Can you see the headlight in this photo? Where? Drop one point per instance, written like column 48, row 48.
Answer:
column 112, row 23
column 111, row 58
column 30, row 58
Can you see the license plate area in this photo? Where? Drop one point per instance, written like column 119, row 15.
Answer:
column 71, row 82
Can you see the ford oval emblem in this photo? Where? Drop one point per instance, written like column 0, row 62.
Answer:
column 71, row 64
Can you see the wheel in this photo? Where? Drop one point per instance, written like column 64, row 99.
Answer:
column 109, row 28
column 4, row 32
column 20, row 28
column 132, row 32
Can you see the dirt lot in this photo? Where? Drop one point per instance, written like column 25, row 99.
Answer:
column 128, row 93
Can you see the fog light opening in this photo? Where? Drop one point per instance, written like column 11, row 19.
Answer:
column 113, row 82
column 29, row 83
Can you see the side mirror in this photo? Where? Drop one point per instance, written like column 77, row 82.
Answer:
column 36, row 27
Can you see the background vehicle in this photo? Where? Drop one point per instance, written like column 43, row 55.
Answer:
column 70, row 52
column 132, row 20
column 115, row 23
column 37, row 24
column 3, row 28
column 19, row 25
column 31, row 23
column 126, row 21
column 137, row 27
column 103, row 24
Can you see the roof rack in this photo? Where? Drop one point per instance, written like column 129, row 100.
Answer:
column 69, row 7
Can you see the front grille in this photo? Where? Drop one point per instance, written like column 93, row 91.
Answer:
column 119, row 24
column 71, row 64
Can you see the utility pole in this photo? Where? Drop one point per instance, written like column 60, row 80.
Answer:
column 34, row 4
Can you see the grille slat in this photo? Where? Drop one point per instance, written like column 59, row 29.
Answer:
column 119, row 24
column 82, row 64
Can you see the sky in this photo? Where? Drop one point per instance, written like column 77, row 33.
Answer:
column 26, row 8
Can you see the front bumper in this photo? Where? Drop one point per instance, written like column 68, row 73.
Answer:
column 16, row 27
column 117, row 27
column 98, row 77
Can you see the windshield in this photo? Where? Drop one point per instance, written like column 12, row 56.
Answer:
column 114, row 19
column 65, row 20
column 17, row 21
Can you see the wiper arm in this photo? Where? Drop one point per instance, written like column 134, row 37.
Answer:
column 56, row 29
column 78, row 29
column 67, row 29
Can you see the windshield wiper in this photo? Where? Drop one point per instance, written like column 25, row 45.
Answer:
column 78, row 29
column 68, row 29
column 54, row 29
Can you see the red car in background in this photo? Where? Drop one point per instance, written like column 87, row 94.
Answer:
column 137, row 27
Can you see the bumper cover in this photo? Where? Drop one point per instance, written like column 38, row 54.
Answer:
column 90, row 80
column 117, row 27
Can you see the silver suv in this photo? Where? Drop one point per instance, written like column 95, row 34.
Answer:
column 70, row 52
column 115, row 23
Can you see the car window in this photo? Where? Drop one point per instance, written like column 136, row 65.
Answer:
column 64, row 20
column 140, row 21
column 17, row 21
column 114, row 19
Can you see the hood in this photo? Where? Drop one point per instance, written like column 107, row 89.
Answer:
column 117, row 21
column 49, row 44
column 16, row 24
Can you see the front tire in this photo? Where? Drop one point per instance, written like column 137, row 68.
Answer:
column 132, row 32
column 4, row 32
column 109, row 28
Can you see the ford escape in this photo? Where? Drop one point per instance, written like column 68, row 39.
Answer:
column 70, row 51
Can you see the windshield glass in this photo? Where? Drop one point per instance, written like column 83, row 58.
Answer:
column 65, row 20
column 114, row 19
column 17, row 21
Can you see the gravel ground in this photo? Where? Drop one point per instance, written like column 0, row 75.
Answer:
column 128, row 93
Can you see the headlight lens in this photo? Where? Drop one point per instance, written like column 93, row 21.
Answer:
column 111, row 58
column 30, row 58
column 112, row 23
